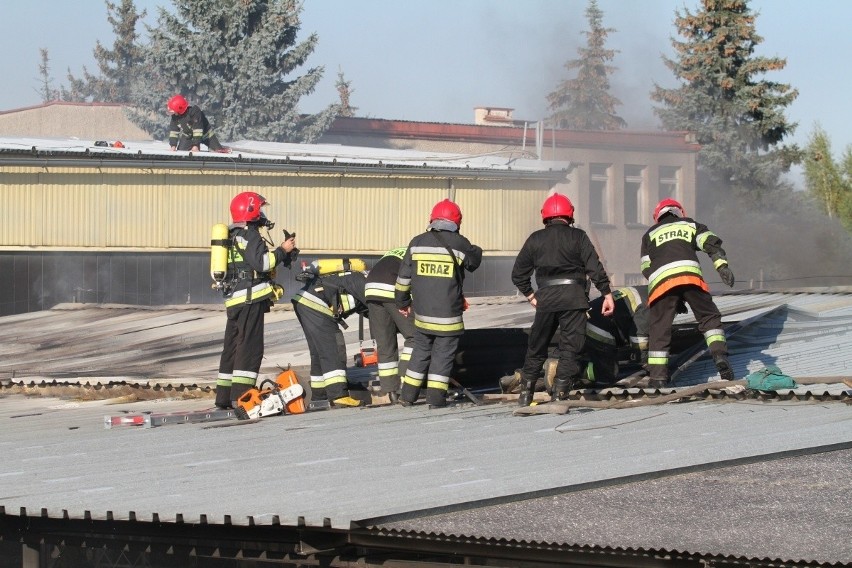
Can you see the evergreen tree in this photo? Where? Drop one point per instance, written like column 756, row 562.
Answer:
column 235, row 60
column 829, row 182
column 584, row 102
column 737, row 118
column 345, row 90
column 46, row 90
column 118, row 67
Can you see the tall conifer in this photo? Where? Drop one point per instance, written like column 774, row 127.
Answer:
column 584, row 102
column 118, row 67
column 738, row 117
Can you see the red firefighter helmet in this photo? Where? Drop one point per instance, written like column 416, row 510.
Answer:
column 668, row 205
column 557, row 205
column 178, row 105
column 245, row 207
column 448, row 211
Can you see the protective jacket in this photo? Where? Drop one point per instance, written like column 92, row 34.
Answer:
column 336, row 295
column 191, row 126
column 669, row 258
column 251, row 266
column 432, row 279
column 381, row 280
column 561, row 257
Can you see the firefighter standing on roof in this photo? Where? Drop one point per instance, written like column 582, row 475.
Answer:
column 189, row 128
column 560, row 256
column 321, row 306
column 386, row 322
column 430, row 281
column 250, row 293
column 670, row 263
column 626, row 327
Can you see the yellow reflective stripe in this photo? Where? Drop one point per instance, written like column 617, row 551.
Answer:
column 310, row 301
column 244, row 378
column 412, row 381
column 197, row 132
column 258, row 292
column 389, row 372
column 439, row 327
column 673, row 268
column 437, row 384
column 598, row 334
column 679, row 229
column 379, row 290
column 658, row 357
column 317, row 382
column 433, row 257
column 714, row 335
column 702, row 238
column 719, row 262
column 397, row 252
column 629, row 294
column 347, row 301
column 645, row 262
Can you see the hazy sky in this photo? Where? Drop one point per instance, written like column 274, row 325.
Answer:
column 435, row 60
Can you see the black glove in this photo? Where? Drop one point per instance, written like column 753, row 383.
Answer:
column 681, row 307
column 727, row 275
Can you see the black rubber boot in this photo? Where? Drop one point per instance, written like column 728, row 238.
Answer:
column 561, row 388
column 726, row 373
column 527, row 392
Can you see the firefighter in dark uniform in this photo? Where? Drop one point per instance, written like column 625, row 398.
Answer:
column 627, row 327
column 250, row 293
column 429, row 288
column 670, row 263
column 386, row 322
column 321, row 306
column 561, row 256
column 189, row 128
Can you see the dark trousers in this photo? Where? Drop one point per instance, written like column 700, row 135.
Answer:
column 432, row 360
column 662, row 314
column 602, row 368
column 571, row 325
column 242, row 352
column 328, row 353
column 385, row 323
column 208, row 140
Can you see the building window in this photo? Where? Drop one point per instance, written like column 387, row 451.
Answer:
column 669, row 182
column 634, row 182
column 599, row 193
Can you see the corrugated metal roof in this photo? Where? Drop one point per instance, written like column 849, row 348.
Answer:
column 802, row 332
column 373, row 465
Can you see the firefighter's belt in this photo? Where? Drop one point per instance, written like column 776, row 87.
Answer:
column 556, row 282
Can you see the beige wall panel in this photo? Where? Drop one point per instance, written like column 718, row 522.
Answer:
column 522, row 215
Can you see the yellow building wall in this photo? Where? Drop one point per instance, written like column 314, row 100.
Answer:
column 70, row 208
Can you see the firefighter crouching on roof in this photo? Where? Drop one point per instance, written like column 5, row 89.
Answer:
column 670, row 263
column 321, row 306
column 430, row 284
column 250, row 292
column 560, row 256
column 386, row 322
column 627, row 327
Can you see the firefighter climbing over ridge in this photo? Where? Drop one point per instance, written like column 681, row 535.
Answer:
column 670, row 263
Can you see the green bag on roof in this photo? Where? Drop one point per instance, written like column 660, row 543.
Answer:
column 770, row 378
